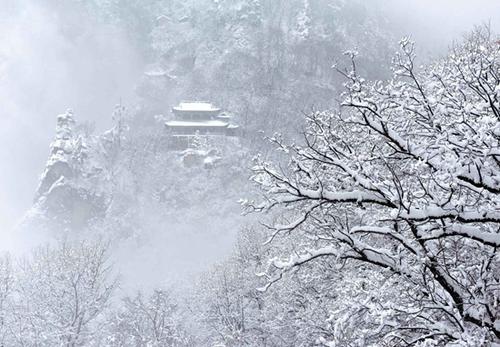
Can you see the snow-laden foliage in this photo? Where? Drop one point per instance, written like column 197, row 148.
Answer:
column 55, row 296
column 6, row 284
column 66, row 295
column 146, row 321
column 301, row 311
column 405, row 178
column 232, row 311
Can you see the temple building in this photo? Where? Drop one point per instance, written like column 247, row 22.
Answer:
column 199, row 118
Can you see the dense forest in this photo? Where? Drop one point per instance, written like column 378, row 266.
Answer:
column 357, row 204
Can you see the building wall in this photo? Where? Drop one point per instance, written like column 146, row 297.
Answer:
column 197, row 130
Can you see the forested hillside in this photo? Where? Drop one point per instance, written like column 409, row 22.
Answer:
column 266, row 61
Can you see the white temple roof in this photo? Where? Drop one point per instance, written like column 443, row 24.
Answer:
column 196, row 106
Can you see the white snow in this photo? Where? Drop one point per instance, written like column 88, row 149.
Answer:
column 156, row 73
column 196, row 106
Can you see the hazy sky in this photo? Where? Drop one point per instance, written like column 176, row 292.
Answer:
column 434, row 24
column 51, row 61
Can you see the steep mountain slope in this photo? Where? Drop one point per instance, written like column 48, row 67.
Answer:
column 266, row 62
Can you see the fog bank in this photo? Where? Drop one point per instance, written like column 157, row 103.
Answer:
column 52, row 59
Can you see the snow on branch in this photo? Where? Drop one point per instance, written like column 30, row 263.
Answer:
column 405, row 177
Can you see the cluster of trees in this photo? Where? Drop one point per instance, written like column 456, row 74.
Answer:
column 316, row 304
column 404, row 181
column 62, row 295
column 384, row 225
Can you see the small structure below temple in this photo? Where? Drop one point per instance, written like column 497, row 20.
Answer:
column 194, row 119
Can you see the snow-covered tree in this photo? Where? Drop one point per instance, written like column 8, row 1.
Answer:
column 343, row 308
column 59, row 294
column 151, row 321
column 231, row 308
column 405, row 179
column 6, row 291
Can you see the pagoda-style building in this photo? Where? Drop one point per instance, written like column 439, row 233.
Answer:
column 199, row 118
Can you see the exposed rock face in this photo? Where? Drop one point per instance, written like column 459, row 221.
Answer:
column 61, row 152
column 67, row 195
